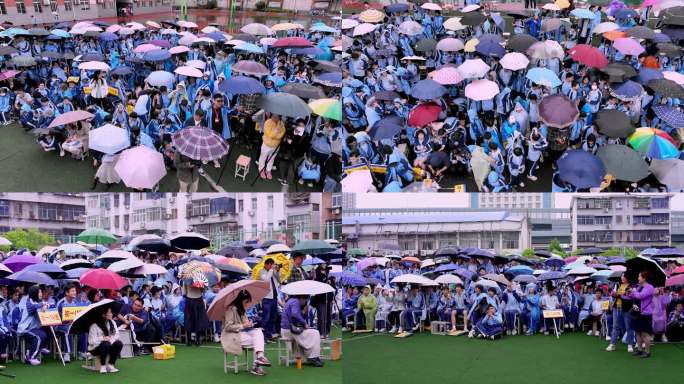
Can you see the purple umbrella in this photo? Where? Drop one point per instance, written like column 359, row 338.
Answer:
column 313, row 51
column 122, row 71
column 648, row 74
column 365, row 263
column 156, row 55
column 427, row 90
column 386, row 128
column 349, row 278
column 477, row 252
column 554, row 263
column 447, row 268
column 92, row 57
column 241, row 85
column 250, row 67
column 51, row 270
column 108, row 36
column 662, row 38
column 669, row 253
column 200, row 143
column 217, row 36
column 581, row 169
column 553, row 275
column 160, row 43
column 558, row 111
column 490, row 48
column 32, row 277
column 669, row 115
column 19, row 262
column 331, row 79
column 629, row 90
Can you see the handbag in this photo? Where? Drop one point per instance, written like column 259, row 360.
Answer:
column 296, row 329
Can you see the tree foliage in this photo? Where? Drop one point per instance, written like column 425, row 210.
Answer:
column 31, row 239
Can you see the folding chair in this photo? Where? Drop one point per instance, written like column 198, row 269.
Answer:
column 235, row 363
column 288, row 351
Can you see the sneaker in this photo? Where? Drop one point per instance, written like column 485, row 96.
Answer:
column 400, row 330
column 508, row 333
column 82, row 355
column 44, row 351
column 394, row 329
column 630, row 349
column 521, row 185
column 269, row 175
column 491, row 337
column 664, row 339
column 610, row 348
column 257, row 371
column 66, row 357
column 316, row 362
column 217, row 164
column 471, row 334
column 217, row 339
column 263, row 361
column 637, row 353
column 607, row 338
column 546, row 333
column 262, row 174
column 645, row 355
column 515, row 332
column 533, row 178
column 590, row 332
column 111, row 368
column 310, row 185
column 597, row 334
column 103, row 369
column 34, row 361
column 201, row 171
column 301, row 182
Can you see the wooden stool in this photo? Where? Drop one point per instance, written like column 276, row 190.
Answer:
column 439, row 327
column 242, row 167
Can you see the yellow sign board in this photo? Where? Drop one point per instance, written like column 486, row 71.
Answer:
column 49, row 318
column 459, row 188
column 553, row 314
column 605, row 305
column 69, row 313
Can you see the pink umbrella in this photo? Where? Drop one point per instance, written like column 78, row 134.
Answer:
column 514, row 61
column 365, row 263
column 187, row 39
column 481, row 90
column 70, row 117
column 363, row 29
column 674, row 280
column 142, row 48
column 674, row 76
column 150, row 269
column 450, row 44
column 628, row 46
column 94, row 66
column 359, row 181
column 188, row 71
column 292, row 42
column 257, row 289
column 178, row 49
column 473, row 69
column 140, row 167
column 8, row 74
column 447, row 76
column 114, row 28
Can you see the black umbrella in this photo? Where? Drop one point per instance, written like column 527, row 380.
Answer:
column 669, row 49
column 155, row 245
column 542, row 253
column 92, row 56
column 521, row 42
column 614, row 123
column 425, row 45
column 472, row 19
column 169, row 23
column 245, row 37
column 590, row 251
column 7, row 50
column 615, row 75
column 641, row 32
column 386, row 128
column 92, row 314
column 673, row 16
column 39, row 32
column 233, row 251
column 190, row 240
column 92, row 34
column 385, row 95
column 324, row 66
column 628, row 70
column 449, row 250
column 667, row 88
column 623, row 162
column 640, row 263
column 521, row 14
column 305, row 91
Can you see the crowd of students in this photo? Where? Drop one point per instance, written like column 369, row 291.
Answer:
column 411, row 113
column 494, row 299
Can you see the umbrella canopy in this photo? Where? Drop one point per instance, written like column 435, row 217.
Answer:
column 292, row 42
column 450, row 44
column 472, row 19
column 103, row 279
column 669, row 253
column 423, row 114
column 546, row 49
column 199, row 143
column 284, row 104
column 76, row 263
column 519, row 270
column 552, row 275
column 614, row 123
column 669, row 172
column 667, row 88
column 640, row 263
column 362, row 29
column 303, row 90
column 473, row 69
column 125, row 264
column 445, row 76
column 199, row 274
column 27, row 276
column 653, row 143
column 581, row 169
column 188, row 71
column 558, row 111
column 108, row 139
column 359, row 181
column 4, row 241
column 490, row 48
column 307, row 288
column 257, row 29
column 94, row 66
column 156, row 55
column 349, row 279
column 313, row 247
column 96, row 236
column 543, row 76
column 514, row 61
column 371, row 16
column 623, row 162
column 410, row 278
column 588, row 55
column 581, row 270
column 641, row 32
column 92, row 314
column 520, row 42
column 241, row 85
column 160, row 78
column 232, row 264
column 70, row 118
column 427, row 89
column 313, row 261
column 189, row 240
column 628, row 91
column 140, row 167
column 628, row 46
column 328, row 108
column 20, row 261
column 410, row 28
column 675, row 280
column 501, row 279
column 481, row 89
column 449, row 279
column 233, row 251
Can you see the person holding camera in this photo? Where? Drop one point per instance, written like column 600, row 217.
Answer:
column 187, row 172
column 270, row 274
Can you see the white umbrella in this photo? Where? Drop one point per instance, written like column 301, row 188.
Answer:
column 581, row 270
column 381, row 261
column 427, row 263
column 160, row 78
column 257, row 252
column 4, row 241
column 94, row 66
column 76, row 263
column 115, row 255
column 149, row 269
column 108, row 139
column 449, row 279
column 410, row 278
column 126, row 264
column 199, row 64
column 538, row 272
column 278, row 248
column 307, row 287
column 486, row 284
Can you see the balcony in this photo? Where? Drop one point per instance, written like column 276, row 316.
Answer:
column 299, row 198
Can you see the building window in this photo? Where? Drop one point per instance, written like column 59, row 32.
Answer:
column 469, row 239
column 427, row 244
column 336, row 200
column 116, row 222
column 254, row 204
column 241, row 206
column 407, row 244
column 660, row 202
column 270, row 230
column 154, row 214
column 602, row 220
column 37, row 6
column 4, row 208
column 53, row 5
column 85, row 5
column 138, row 216
column 47, row 212
column 67, row 5
column 510, row 240
column 200, row 207
column 585, row 220
column 255, row 231
column 299, row 222
column 3, row 9
column 21, row 7
column 315, row 207
column 490, row 240
column 269, row 200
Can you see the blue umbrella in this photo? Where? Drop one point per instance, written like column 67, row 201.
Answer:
column 648, row 74
column 241, row 85
column 331, row 79
column 395, row 8
column 427, row 90
column 553, row 275
column 218, row 36
column 581, row 169
column 76, row 273
column 669, row 252
column 108, row 36
column 122, row 71
column 313, row 261
column 25, row 276
column 490, row 38
column 386, row 128
column 320, row 27
column 616, row 261
column 543, row 76
column 157, row 55
column 490, row 48
column 662, row 38
column 61, row 33
column 554, row 263
column 582, row 13
column 328, row 257
column 465, row 273
column 477, row 252
column 252, row 260
column 349, row 278
column 447, row 268
column 624, row 13
column 309, row 51
column 669, row 115
column 526, row 279
column 373, row 281
column 49, row 269
column 629, row 90
column 519, row 270
column 249, row 47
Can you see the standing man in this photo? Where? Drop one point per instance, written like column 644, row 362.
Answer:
column 298, row 273
column 270, row 274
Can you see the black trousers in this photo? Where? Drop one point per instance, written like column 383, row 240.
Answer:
column 107, row 349
column 530, row 3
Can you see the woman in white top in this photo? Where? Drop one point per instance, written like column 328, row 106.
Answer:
column 103, row 341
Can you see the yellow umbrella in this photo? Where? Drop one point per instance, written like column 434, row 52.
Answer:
column 280, row 259
column 371, row 16
column 471, row 44
column 286, row 26
column 562, row 4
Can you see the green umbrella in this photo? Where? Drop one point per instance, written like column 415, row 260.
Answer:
column 96, row 236
column 356, row 252
column 313, row 247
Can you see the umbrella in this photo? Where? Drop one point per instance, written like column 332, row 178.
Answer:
column 674, row 76
column 546, row 49
column 232, row 264
column 648, row 74
column 371, row 16
column 20, row 261
column 410, row 278
column 628, row 91
column 277, row 247
column 557, row 111
column 366, row 263
column 157, row 55
column 241, row 85
column 189, row 240
column 96, row 236
column 486, row 284
column 303, row 90
column 122, row 71
column 447, row 268
column 4, row 271
column 519, row 270
column 675, row 280
column 667, row 88
column 188, row 71
column 641, row 32
column 292, row 42
column 473, row 69
column 386, row 95
column 449, row 279
column 425, row 45
column 233, row 251
column 70, row 118
column 409, row 27
column 614, row 35
column 386, row 128
column 520, row 42
column 543, row 76
column 160, row 78
column 363, row 29
column 94, row 66
column 328, row 108
column 444, row 76
column 284, row 104
column 8, row 74
column 640, row 263
column 330, row 79
column 623, row 162
column 257, row 29
column 427, row 89
column 396, row 8
column 348, row 23
column 554, row 263
column 614, row 123
column 472, row 19
column 103, row 279
column 92, row 56
column 313, row 247
column 142, row 48
column 76, row 263
column 423, row 114
column 125, row 264
column 199, row 143
column 108, row 139
column 199, row 274
column 514, row 61
column 199, row 64
column 349, row 279
column 669, row 172
column 490, row 48
column 92, row 314
column 307, row 288
column 581, row 169
column 581, row 270
column 653, row 143
column 670, row 50
column 450, row 44
column 525, row 279
column 359, row 181
column 454, row 24
column 27, row 276
column 669, row 253
column 588, row 55
column 552, row 275
column 628, row 46
column 499, row 278
column 582, row 13
column 140, row 167
column 313, row 261
column 481, row 89
column 178, row 49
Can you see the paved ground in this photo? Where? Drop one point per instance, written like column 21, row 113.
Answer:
column 24, row 166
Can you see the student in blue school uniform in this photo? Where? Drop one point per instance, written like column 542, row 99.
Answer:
column 415, row 309
column 511, row 308
column 5, row 106
column 490, row 326
column 550, row 302
column 70, row 299
column 445, row 306
column 477, row 298
column 29, row 327
column 532, row 302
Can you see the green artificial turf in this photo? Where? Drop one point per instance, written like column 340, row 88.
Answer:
column 575, row 358
column 192, row 365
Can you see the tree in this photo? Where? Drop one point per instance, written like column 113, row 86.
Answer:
column 555, row 247
column 31, row 239
column 529, row 252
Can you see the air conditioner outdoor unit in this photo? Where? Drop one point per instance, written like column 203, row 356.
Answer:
column 172, row 201
column 605, row 210
column 251, row 213
column 222, row 212
column 337, row 211
column 168, row 216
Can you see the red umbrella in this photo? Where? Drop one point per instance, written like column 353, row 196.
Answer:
column 103, row 279
column 292, row 42
column 410, row 259
column 424, row 114
column 588, row 55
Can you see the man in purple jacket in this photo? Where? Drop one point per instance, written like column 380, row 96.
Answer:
column 308, row 339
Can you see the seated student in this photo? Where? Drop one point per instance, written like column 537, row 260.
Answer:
column 415, row 309
column 511, row 308
column 5, row 330
column 48, row 142
column 76, row 143
column 595, row 314
column 549, row 302
column 384, row 308
column 398, row 307
column 490, row 326
column 138, row 321
column 675, row 323
column 445, row 307
column 309, row 172
column 349, row 304
column 238, row 330
column 477, row 301
column 103, row 342
column 533, row 311
column 69, row 300
column 29, row 326
column 460, row 308
column 293, row 326
column 366, row 307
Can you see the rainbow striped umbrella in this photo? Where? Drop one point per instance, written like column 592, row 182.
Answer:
column 653, row 143
column 231, row 264
column 328, row 108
